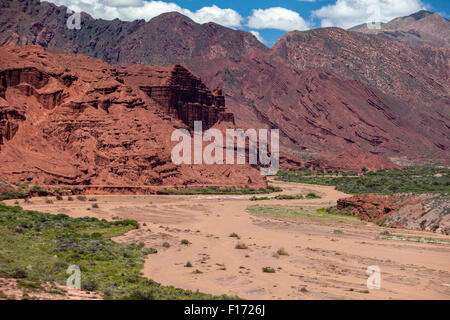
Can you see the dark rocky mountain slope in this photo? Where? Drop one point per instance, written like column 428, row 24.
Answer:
column 325, row 89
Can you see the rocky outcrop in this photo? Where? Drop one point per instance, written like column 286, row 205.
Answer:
column 179, row 93
column 77, row 121
column 429, row 212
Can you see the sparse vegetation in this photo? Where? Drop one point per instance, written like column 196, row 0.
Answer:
column 414, row 179
column 268, row 270
column 320, row 215
column 234, row 235
column 282, row 252
column 312, row 196
column 148, row 251
column 241, row 246
column 287, row 197
column 216, row 190
column 185, row 242
column 388, row 236
column 36, row 246
column 188, row 264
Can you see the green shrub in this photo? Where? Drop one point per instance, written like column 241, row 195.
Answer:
column 241, row 246
column 268, row 270
column 282, row 252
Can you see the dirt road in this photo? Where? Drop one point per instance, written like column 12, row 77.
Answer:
column 327, row 256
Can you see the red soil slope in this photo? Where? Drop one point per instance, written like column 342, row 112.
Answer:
column 355, row 159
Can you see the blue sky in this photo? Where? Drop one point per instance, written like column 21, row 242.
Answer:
column 268, row 20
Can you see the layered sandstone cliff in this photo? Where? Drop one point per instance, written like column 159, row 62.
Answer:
column 179, row 93
column 75, row 120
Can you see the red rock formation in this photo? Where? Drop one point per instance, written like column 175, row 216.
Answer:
column 370, row 206
column 75, row 120
column 412, row 211
column 179, row 93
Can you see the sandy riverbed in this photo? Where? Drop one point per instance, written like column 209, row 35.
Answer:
column 320, row 264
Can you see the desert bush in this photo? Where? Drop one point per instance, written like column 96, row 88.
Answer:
column 268, row 270
column 90, row 285
column 241, row 246
column 148, row 251
column 138, row 294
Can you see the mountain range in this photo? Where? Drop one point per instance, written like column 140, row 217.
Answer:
column 325, row 89
column 418, row 29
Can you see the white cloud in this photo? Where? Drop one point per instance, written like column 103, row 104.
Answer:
column 225, row 17
column 129, row 10
column 257, row 36
column 349, row 13
column 276, row 18
column 123, row 3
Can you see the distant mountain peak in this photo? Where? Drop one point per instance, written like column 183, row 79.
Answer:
column 417, row 30
column 421, row 14
column 174, row 15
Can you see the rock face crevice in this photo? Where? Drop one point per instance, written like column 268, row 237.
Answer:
column 12, row 77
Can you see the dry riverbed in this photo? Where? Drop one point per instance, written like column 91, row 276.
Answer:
column 324, row 256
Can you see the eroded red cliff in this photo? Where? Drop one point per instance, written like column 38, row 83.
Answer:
column 75, row 120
